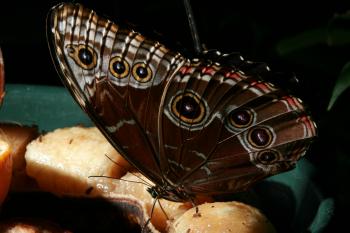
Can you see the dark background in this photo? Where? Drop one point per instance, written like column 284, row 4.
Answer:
column 260, row 31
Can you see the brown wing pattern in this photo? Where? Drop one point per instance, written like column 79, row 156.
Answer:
column 117, row 76
column 200, row 126
column 249, row 129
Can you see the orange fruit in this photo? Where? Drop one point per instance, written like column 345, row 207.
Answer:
column 5, row 169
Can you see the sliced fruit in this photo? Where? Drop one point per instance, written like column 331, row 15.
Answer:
column 63, row 160
column 18, row 137
column 30, row 226
column 223, row 217
column 5, row 169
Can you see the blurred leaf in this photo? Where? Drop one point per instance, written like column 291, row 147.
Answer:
column 339, row 30
column 342, row 83
column 337, row 33
column 304, row 40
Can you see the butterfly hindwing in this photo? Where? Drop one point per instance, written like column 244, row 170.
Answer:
column 250, row 130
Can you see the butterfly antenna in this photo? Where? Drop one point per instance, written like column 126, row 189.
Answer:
column 193, row 28
column 144, row 182
column 116, row 163
column 110, row 177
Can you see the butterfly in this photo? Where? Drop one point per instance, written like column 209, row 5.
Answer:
column 208, row 125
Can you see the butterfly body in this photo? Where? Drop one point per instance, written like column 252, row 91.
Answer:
column 200, row 126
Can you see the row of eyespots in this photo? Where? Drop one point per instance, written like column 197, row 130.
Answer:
column 119, row 68
column 259, row 137
column 189, row 109
column 243, row 118
column 86, row 58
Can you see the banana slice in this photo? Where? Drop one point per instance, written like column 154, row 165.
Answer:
column 223, row 217
column 62, row 161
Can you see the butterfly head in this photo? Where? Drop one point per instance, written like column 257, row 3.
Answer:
column 168, row 192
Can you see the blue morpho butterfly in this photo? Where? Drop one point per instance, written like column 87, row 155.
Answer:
column 209, row 125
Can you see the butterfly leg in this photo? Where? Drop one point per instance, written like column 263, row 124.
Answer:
column 144, row 227
column 161, row 207
column 196, row 214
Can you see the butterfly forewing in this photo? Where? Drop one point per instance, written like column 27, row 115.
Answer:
column 117, row 76
column 192, row 127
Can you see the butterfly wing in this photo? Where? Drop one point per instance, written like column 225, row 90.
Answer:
column 117, row 76
column 200, row 127
column 224, row 130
